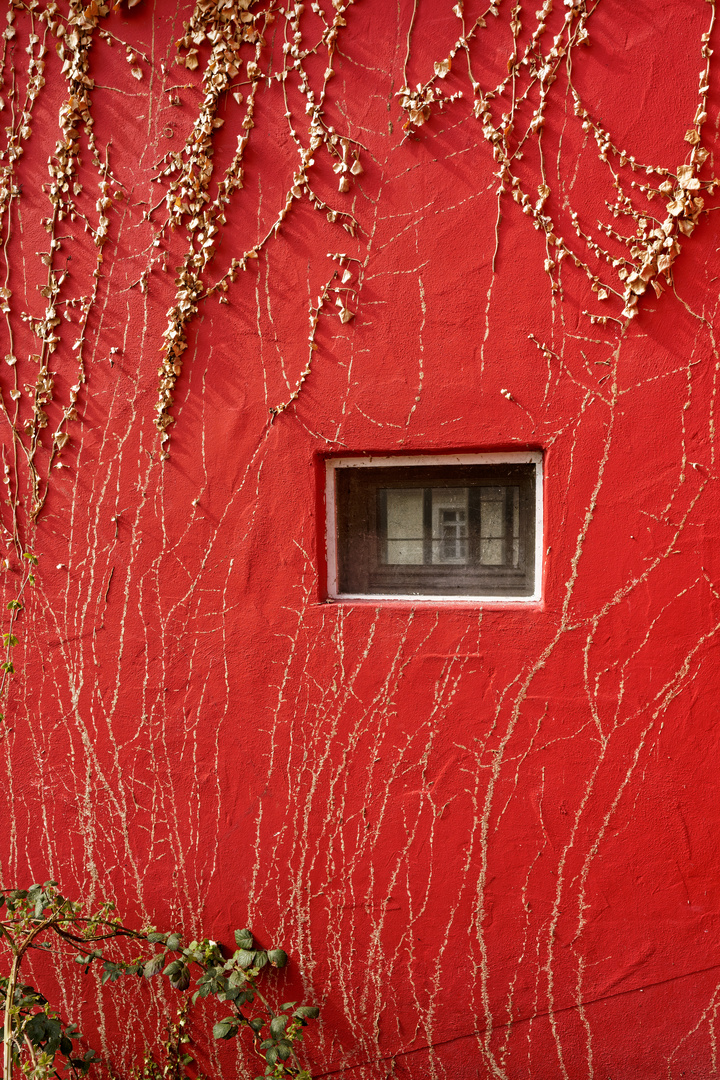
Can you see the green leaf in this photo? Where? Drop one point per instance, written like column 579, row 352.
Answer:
column 174, row 942
column 237, row 978
column 226, row 1029
column 271, row 1055
column 244, row 939
column 180, row 979
column 277, row 1026
column 37, row 1028
column 256, row 1024
column 154, row 965
column 261, row 959
column 111, row 972
column 277, row 957
column 284, row 1049
column 244, row 958
column 307, row 1012
column 155, row 938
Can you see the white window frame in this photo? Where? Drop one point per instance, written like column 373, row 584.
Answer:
column 533, row 457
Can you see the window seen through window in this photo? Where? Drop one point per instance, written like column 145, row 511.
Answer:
column 430, row 525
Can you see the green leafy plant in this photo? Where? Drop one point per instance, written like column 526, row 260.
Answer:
column 40, row 1044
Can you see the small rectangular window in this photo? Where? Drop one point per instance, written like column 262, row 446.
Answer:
column 463, row 526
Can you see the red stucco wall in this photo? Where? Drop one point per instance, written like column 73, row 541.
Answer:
column 487, row 836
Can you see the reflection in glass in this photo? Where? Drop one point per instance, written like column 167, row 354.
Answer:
column 449, row 530
column 404, row 525
column 439, row 525
column 455, row 529
column 515, row 492
column 492, row 526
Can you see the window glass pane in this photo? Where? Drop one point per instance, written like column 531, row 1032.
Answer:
column 516, row 526
column 455, row 529
column 450, row 525
column 491, row 552
column 492, row 526
column 404, row 525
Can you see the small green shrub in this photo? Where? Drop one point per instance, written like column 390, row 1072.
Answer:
column 39, row 1043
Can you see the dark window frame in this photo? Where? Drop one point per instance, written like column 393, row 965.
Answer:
column 356, row 536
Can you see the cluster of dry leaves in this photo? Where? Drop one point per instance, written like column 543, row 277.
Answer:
column 70, row 34
column 234, row 35
column 225, row 49
column 513, row 113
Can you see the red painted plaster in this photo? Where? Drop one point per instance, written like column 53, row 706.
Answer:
column 487, row 836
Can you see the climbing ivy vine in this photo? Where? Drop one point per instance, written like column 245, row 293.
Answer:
column 229, row 51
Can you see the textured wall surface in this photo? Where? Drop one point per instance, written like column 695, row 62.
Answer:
column 487, row 836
